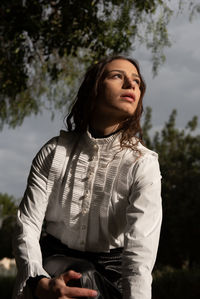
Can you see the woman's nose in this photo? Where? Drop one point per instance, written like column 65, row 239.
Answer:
column 128, row 83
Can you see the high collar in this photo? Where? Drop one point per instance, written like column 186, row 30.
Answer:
column 108, row 141
column 100, row 135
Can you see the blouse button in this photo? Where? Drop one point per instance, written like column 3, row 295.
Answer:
column 87, row 193
column 84, row 211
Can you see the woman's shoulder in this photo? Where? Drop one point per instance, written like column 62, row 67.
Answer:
column 50, row 145
column 46, row 153
column 147, row 162
column 146, row 152
column 146, row 166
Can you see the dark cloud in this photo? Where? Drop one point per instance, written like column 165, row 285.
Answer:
column 177, row 84
column 19, row 146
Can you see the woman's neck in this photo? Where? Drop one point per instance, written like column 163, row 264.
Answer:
column 99, row 134
column 104, row 126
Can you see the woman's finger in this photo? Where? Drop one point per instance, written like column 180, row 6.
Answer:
column 70, row 275
column 74, row 292
column 80, row 292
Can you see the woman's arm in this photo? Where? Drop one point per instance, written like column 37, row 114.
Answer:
column 144, row 216
column 30, row 217
column 26, row 245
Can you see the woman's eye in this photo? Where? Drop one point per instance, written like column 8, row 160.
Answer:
column 117, row 76
column 137, row 81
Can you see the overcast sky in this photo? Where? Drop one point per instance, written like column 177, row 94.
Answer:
column 176, row 86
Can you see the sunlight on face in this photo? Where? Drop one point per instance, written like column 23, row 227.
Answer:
column 119, row 91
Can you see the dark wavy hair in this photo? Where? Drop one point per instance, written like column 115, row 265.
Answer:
column 79, row 117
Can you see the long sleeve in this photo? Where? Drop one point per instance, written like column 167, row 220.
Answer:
column 144, row 216
column 30, row 218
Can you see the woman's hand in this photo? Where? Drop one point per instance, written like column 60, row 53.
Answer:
column 56, row 288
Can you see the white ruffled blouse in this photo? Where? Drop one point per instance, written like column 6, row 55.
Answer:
column 94, row 197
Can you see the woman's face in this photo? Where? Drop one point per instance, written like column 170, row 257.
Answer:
column 119, row 92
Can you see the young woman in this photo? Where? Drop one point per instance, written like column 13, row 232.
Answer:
column 96, row 191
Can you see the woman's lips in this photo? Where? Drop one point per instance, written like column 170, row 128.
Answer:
column 128, row 97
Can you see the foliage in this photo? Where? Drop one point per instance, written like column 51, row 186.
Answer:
column 179, row 156
column 7, row 218
column 7, row 205
column 176, row 284
column 45, row 46
column 7, row 286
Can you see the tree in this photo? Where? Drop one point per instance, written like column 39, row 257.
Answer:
column 8, row 210
column 44, row 45
column 179, row 156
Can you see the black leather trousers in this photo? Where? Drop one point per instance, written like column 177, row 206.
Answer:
column 100, row 271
